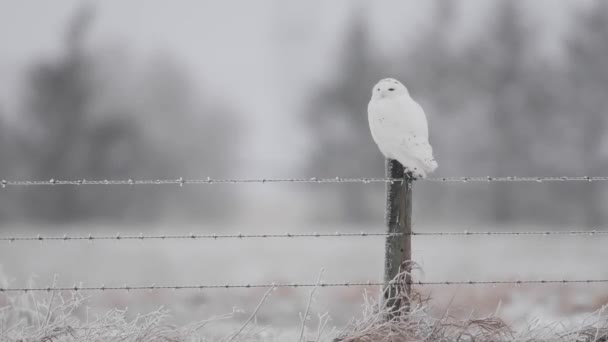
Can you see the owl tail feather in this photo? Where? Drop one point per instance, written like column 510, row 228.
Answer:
column 431, row 166
column 417, row 168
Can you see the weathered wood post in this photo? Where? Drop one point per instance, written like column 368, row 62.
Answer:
column 398, row 247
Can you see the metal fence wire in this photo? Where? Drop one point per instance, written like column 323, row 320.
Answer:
column 193, row 236
column 182, row 181
column 208, row 181
column 153, row 287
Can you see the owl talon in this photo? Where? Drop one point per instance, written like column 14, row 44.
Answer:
column 413, row 175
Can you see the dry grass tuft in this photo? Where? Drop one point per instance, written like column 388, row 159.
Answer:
column 416, row 323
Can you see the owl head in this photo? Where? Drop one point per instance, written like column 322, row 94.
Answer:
column 387, row 88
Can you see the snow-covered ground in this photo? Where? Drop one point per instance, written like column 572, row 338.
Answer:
column 299, row 260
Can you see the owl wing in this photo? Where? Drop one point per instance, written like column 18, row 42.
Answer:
column 414, row 150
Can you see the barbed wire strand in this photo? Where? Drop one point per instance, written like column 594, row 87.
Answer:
column 516, row 233
column 154, row 287
column 192, row 236
column 181, row 181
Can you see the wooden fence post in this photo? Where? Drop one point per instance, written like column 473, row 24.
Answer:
column 399, row 247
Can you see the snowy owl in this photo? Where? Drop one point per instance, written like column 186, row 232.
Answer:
column 399, row 127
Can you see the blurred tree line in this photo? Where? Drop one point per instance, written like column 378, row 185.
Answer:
column 90, row 114
column 496, row 105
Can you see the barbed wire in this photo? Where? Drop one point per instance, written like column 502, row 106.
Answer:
column 192, row 236
column 517, row 179
column 181, row 181
column 515, row 233
column 155, row 287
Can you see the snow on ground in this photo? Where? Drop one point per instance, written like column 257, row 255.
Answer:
column 186, row 262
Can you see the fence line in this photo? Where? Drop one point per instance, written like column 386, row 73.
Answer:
column 516, row 233
column 397, row 223
column 119, row 237
column 141, row 236
column 181, row 181
column 154, row 287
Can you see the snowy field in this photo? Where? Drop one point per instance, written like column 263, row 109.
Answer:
column 186, row 262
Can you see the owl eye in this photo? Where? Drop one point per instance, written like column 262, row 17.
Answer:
column 391, row 89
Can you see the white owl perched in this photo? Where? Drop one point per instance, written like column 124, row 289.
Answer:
column 399, row 127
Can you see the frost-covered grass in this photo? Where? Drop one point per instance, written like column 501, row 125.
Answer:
column 347, row 312
column 64, row 317
column 59, row 317
column 419, row 325
column 418, row 322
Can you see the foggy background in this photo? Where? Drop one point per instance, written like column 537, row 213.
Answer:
column 273, row 88
column 195, row 89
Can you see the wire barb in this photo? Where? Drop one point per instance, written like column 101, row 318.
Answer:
column 181, row 181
